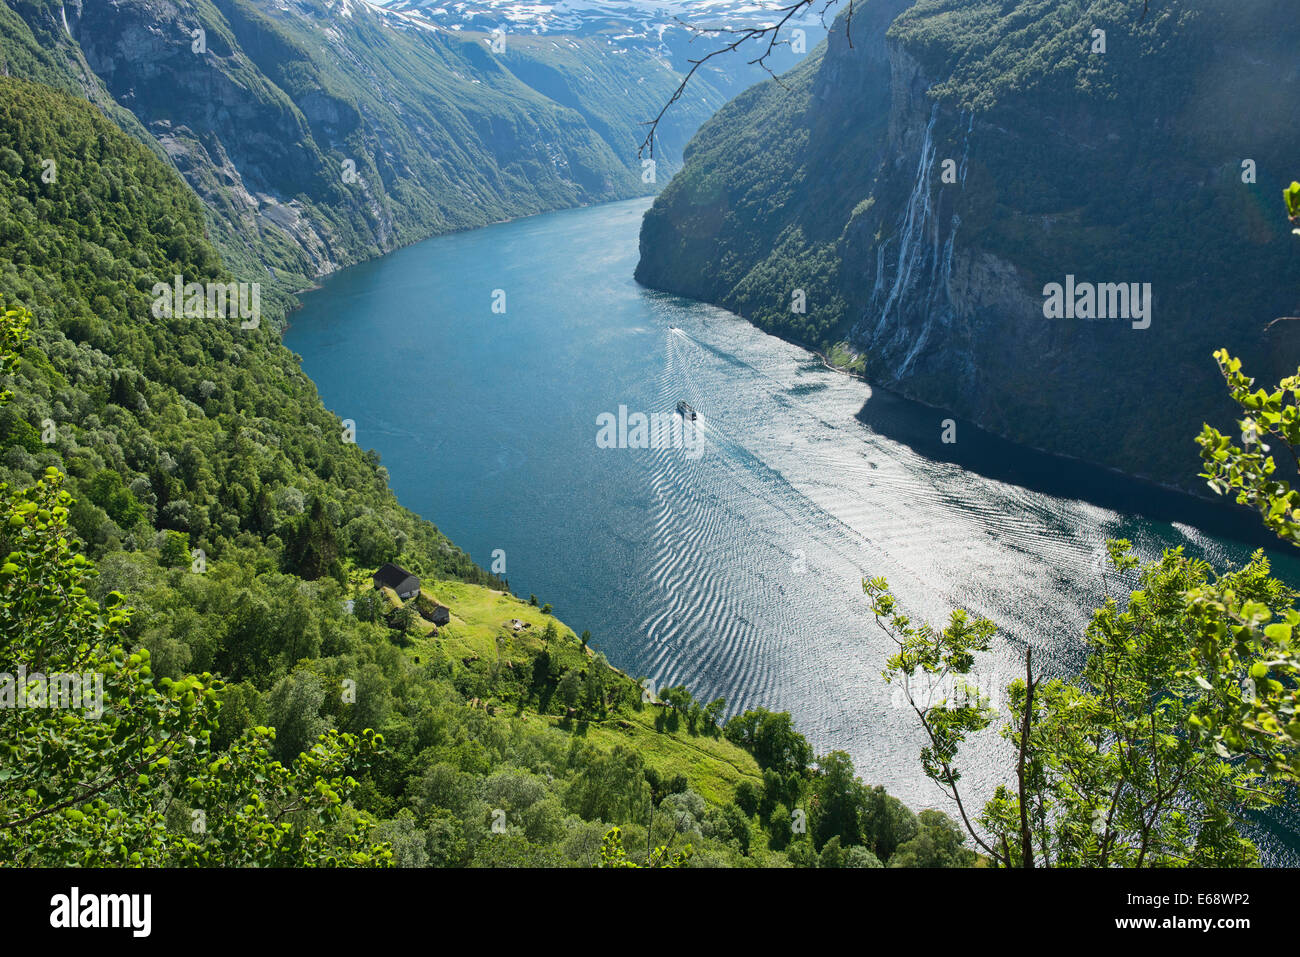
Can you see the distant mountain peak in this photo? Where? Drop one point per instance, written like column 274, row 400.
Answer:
column 579, row 16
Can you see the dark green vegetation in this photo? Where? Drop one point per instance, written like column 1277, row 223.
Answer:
column 322, row 133
column 1123, row 166
column 193, row 426
column 182, row 517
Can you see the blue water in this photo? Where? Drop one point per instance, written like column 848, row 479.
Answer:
column 733, row 566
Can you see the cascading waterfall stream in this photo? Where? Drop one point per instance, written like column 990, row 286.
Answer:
column 941, row 278
column 922, row 241
column 915, row 220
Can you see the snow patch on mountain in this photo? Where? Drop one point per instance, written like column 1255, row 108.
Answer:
column 580, row 16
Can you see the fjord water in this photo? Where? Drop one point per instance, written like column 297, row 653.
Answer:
column 735, row 569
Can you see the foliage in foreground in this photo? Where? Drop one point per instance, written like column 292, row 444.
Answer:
column 1184, row 719
column 100, row 755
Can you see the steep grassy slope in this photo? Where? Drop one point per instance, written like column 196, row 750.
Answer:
column 1123, row 166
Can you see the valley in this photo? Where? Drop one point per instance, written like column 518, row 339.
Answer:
column 828, row 474
column 729, row 563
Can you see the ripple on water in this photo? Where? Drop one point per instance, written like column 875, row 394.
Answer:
column 738, row 571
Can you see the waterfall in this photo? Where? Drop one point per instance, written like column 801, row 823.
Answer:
column 926, row 245
column 880, row 270
column 962, row 169
column 915, row 219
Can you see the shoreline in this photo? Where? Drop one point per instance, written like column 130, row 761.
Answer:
column 1223, row 508
column 1151, row 483
column 319, row 281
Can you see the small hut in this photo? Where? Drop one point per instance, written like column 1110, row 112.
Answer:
column 398, row 579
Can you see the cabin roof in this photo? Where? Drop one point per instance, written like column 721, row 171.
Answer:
column 393, row 576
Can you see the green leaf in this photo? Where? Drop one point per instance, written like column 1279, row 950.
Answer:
column 1279, row 632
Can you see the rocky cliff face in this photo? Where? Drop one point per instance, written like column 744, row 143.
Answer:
column 322, row 132
column 923, row 187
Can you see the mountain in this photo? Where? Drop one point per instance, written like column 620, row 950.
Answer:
column 607, row 58
column 319, row 135
column 585, row 16
column 673, row 31
column 926, row 184
column 184, row 519
column 322, row 132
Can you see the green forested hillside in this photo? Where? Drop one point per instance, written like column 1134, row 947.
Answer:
column 212, row 558
column 183, row 523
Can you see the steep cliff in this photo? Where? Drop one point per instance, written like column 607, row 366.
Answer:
column 923, row 185
column 322, row 132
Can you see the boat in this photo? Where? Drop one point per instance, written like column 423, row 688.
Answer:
column 685, row 409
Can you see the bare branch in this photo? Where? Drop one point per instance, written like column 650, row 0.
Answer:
column 742, row 35
column 1281, row 319
column 1026, row 835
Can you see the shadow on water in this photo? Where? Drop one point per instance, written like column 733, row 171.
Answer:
column 919, row 428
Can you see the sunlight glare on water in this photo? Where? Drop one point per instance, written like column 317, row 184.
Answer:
column 738, row 571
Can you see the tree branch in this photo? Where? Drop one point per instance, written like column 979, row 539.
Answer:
column 743, row 35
